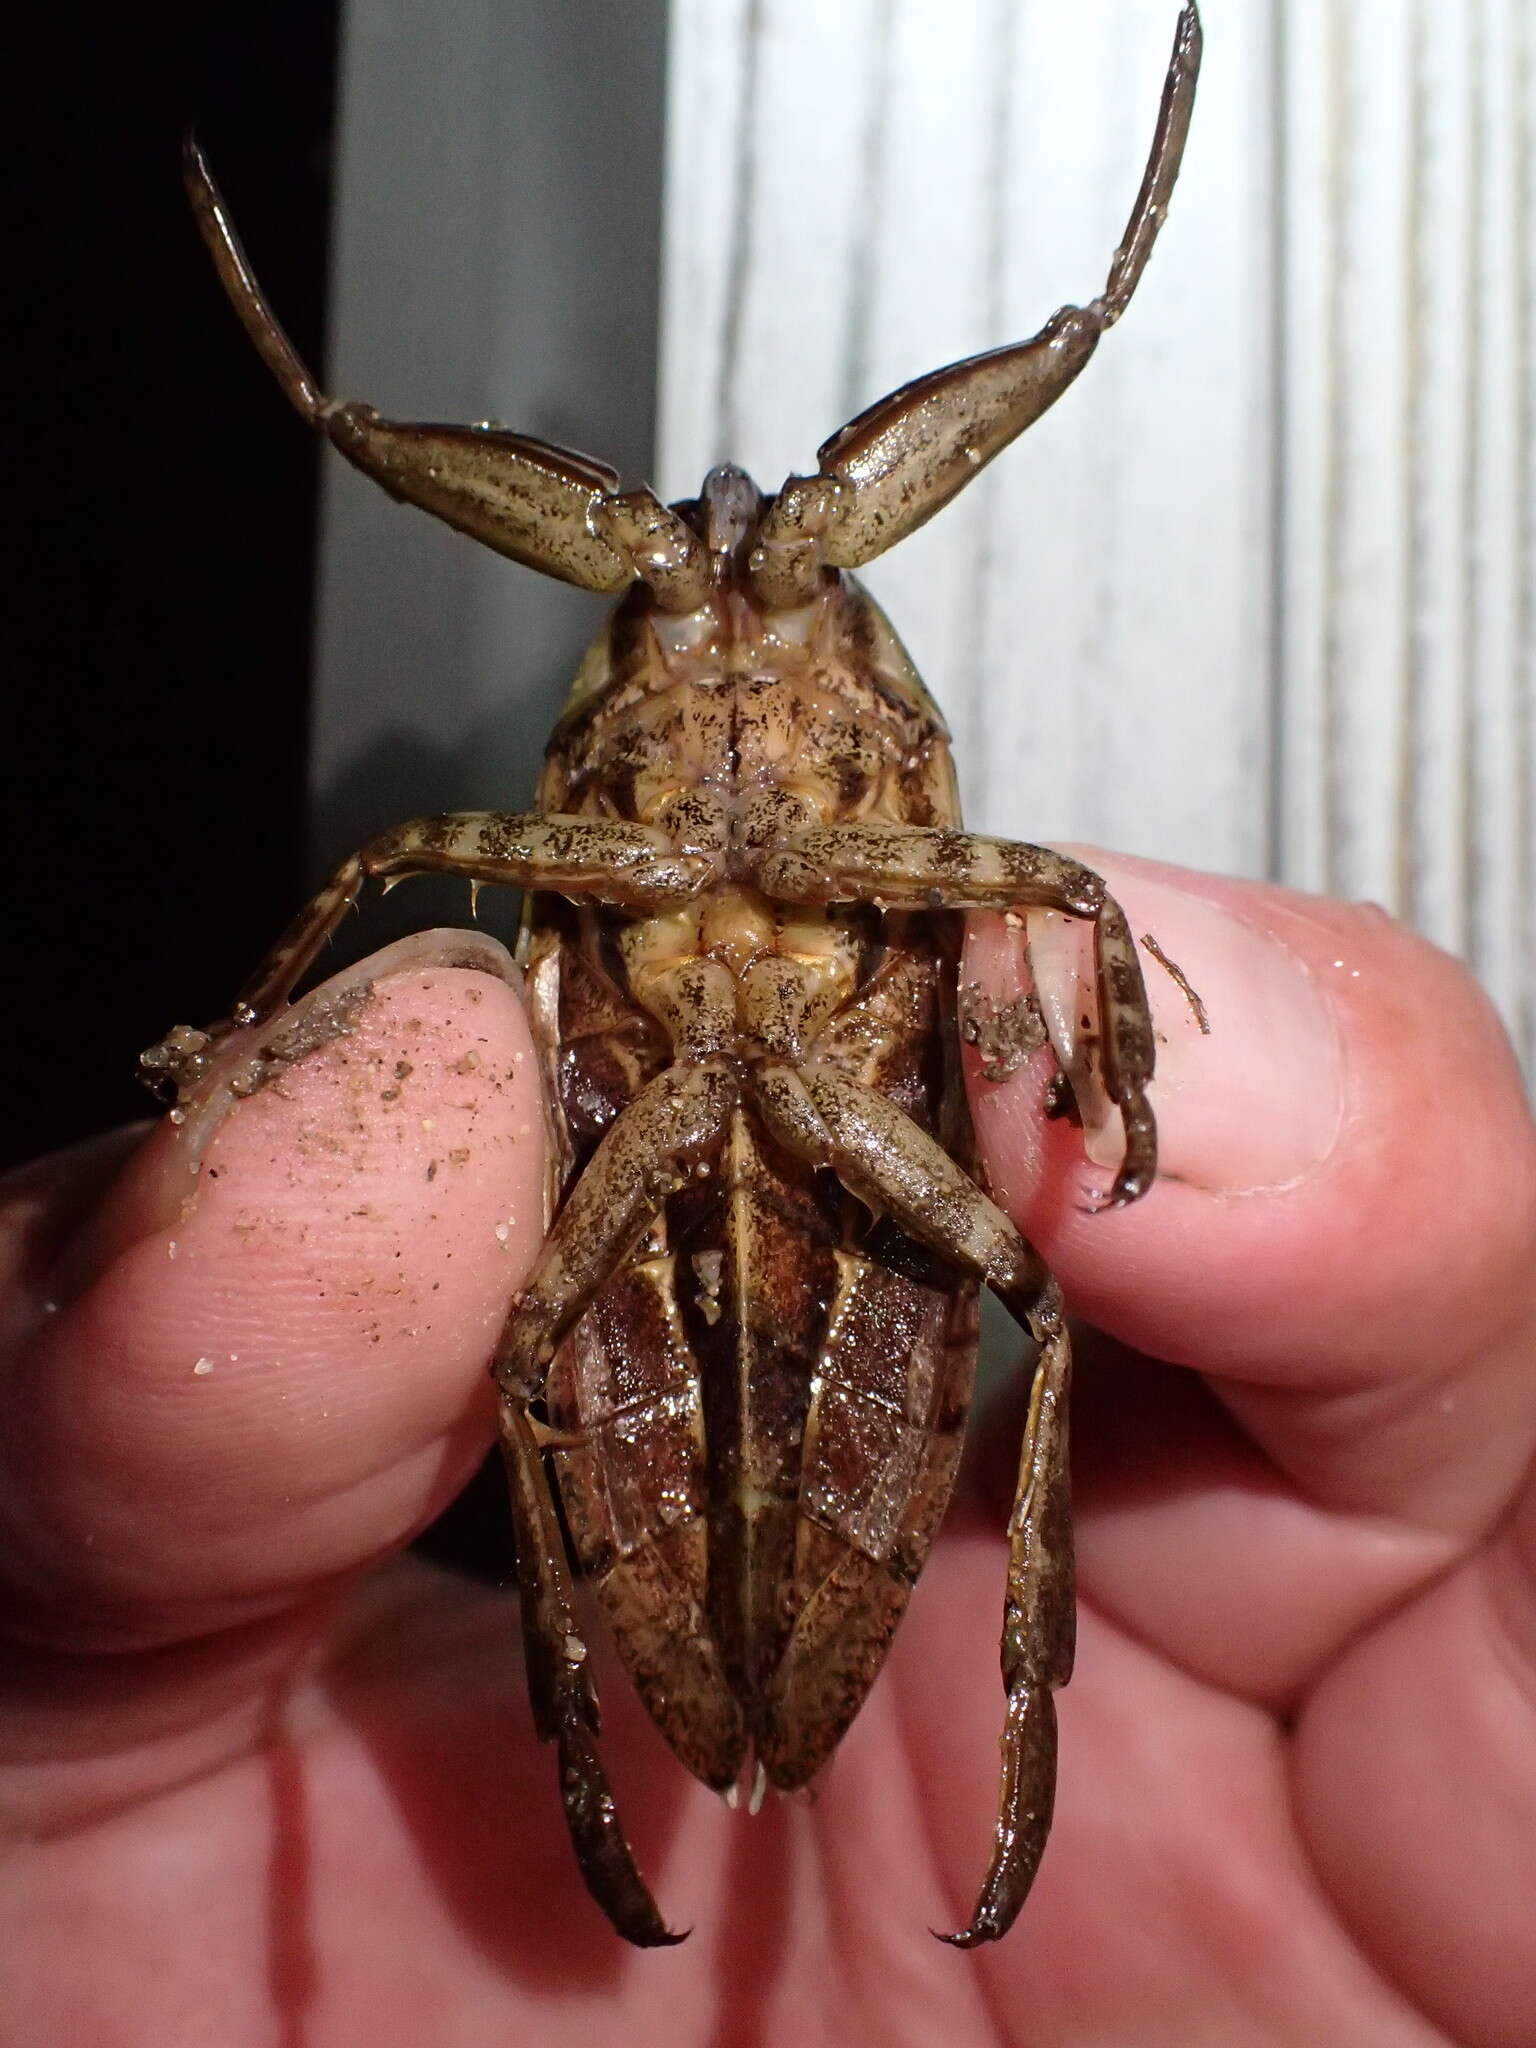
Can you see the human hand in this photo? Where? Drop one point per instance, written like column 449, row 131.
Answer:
column 260, row 1797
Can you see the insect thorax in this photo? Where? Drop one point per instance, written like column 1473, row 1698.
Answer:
column 737, row 701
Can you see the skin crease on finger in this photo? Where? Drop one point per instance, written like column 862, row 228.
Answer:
column 1174, row 1906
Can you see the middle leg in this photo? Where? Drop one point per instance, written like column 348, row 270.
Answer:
column 605, row 860
column 908, row 867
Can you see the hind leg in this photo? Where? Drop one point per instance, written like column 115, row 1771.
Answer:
column 886, row 1160
column 565, row 1709
column 1039, row 1632
column 641, row 1158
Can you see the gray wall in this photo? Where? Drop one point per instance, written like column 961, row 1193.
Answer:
column 496, row 252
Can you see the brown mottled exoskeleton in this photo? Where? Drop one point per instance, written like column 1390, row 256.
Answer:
column 745, row 1356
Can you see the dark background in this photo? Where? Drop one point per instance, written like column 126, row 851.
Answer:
column 162, row 536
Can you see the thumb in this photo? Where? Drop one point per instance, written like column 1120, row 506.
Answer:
column 272, row 1369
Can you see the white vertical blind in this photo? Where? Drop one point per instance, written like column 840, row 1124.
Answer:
column 1259, row 594
column 1407, row 463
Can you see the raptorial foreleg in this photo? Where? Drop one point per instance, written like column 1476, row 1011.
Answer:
column 557, row 510
column 907, row 455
